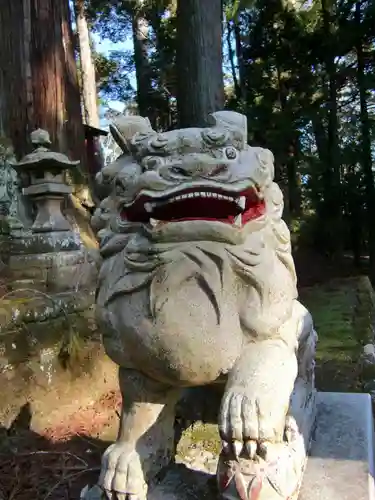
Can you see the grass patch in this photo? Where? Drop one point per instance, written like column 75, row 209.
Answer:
column 333, row 307
column 202, row 436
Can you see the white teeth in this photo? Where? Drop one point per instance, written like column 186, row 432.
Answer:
column 241, row 202
column 150, row 206
column 238, row 221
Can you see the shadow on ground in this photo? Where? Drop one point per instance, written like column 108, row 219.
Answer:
column 34, row 467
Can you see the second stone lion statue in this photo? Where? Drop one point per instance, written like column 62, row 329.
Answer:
column 198, row 286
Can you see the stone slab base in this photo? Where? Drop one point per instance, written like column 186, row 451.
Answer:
column 340, row 464
column 341, row 460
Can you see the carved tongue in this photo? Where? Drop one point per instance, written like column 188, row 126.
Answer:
column 156, row 223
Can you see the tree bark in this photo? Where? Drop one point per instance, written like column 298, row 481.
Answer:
column 289, row 156
column 237, row 89
column 88, row 80
column 142, row 65
column 240, row 59
column 332, row 176
column 200, row 86
column 38, row 77
column 366, row 159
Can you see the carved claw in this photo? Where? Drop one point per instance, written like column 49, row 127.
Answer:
column 122, row 473
column 242, row 415
column 237, row 448
column 264, row 448
column 251, row 448
column 291, row 428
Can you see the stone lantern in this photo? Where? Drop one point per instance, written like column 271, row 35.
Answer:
column 50, row 256
column 47, row 188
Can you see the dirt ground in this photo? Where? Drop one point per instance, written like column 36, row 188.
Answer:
column 59, row 463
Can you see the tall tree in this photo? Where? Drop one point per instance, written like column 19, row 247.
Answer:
column 140, row 29
column 38, row 77
column 332, row 195
column 200, row 86
column 366, row 146
column 88, row 80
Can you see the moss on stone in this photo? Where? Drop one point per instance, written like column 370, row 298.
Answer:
column 200, row 435
column 31, row 306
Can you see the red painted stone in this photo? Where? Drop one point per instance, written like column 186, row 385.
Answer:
column 225, row 478
column 240, row 486
column 255, row 488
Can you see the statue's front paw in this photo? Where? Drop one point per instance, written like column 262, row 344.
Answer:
column 251, row 422
column 121, row 476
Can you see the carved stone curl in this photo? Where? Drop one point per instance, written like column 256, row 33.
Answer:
column 198, row 286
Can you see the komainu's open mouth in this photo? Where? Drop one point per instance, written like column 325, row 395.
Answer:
column 197, row 204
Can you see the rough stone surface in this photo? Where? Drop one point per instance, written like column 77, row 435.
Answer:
column 209, row 299
column 51, row 357
column 368, row 354
column 32, row 307
column 44, row 242
column 341, row 461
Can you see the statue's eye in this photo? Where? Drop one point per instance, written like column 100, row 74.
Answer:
column 178, row 170
column 231, row 153
column 152, row 162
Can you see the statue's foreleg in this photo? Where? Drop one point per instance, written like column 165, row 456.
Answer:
column 253, row 420
column 145, row 439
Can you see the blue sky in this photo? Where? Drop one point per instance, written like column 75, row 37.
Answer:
column 105, row 46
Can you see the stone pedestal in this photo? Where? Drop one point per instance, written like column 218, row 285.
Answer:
column 48, row 197
column 340, row 465
column 341, row 460
column 51, row 261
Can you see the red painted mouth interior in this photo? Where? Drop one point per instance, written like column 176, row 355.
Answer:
column 213, row 206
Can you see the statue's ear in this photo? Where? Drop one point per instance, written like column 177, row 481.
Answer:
column 266, row 160
column 124, row 128
column 230, row 120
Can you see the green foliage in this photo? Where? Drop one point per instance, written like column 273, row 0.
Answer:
column 112, row 76
column 292, row 68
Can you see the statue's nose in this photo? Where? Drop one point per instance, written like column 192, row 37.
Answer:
column 198, row 167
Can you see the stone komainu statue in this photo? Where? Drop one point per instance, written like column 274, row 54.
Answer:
column 198, row 286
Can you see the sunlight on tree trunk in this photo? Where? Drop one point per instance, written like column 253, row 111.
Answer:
column 38, row 78
column 140, row 27
column 88, row 81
